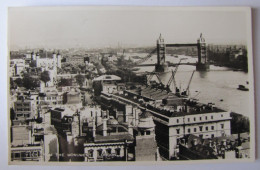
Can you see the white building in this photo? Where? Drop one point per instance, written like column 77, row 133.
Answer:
column 187, row 117
column 34, row 142
column 17, row 66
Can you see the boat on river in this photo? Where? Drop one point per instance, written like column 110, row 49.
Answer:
column 242, row 87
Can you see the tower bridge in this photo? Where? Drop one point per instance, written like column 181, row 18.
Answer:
column 161, row 65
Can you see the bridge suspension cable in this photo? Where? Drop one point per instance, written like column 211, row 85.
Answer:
column 146, row 58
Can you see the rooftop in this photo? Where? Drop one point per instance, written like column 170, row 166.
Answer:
column 113, row 138
column 107, row 77
column 178, row 106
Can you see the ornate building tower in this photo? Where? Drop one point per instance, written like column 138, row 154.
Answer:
column 161, row 48
column 202, row 64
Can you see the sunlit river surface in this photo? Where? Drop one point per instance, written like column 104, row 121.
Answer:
column 218, row 85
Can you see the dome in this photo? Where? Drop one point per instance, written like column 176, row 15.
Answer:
column 145, row 114
column 112, row 122
column 146, row 120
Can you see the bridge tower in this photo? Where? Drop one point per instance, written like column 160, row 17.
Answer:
column 161, row 48
column 202, row 64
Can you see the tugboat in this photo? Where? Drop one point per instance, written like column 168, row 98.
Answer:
column 242, row 87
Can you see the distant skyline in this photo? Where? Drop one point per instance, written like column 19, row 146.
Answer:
column 99, row 27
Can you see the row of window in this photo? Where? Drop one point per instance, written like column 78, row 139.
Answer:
column 23, row 109
column 22, row 104
column 27, row 154
column 200, row 118
column 42, row 102
column 100, row 152
column 49, row 98
column 23, row 115
column 200, row 129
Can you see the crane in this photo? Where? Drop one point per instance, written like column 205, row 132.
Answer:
column 151, row 76
column 188, row 86
column 172, row 78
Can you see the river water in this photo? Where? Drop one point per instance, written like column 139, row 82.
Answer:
column 218, row 85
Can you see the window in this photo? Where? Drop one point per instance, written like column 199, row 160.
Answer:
column 221, row 115
column 117, row 151
column 27, row 115
column 194, row 118
column 212, row 135
column 207, row 128
column 178, row 131
column 108, row 151
column 188, row 119
column 90, row 153
column 201, row 128
column 212, row 117
column 195, row 129
column 177, row 120
column 212, row 127
column 222, row 126
column 206, row 118
column 148, row 132
column 189, row 130
column 99, row 152
column 200, row 118
column 17, row 155
column 48, row 98
column 19, row 115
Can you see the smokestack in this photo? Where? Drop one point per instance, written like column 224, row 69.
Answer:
column 104, row 126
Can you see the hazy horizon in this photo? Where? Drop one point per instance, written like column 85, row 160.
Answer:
column 103, row 27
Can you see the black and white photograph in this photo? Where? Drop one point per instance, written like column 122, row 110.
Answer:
column 95, row 85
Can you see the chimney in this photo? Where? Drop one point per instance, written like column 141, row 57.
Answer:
column 105, row 127
column 94, row 128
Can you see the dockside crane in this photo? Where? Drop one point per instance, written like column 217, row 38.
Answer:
column 149, row 78
column 187, row 91
column 172, row 78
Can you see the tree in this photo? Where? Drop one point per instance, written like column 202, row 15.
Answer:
column 12, row 114
column 80, row 79
column 29, row 82
column 75, row 70
column 19, row 82
column 32, row 63
column 65, row 82
column 239, row 123
column 82, row 67
column 45, row 77
column 12, row 84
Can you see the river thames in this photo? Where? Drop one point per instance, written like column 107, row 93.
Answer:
column 218, row 85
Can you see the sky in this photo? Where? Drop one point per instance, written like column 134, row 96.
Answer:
column 98, row 27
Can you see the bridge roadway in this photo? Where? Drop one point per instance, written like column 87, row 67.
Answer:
column 182, row 45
